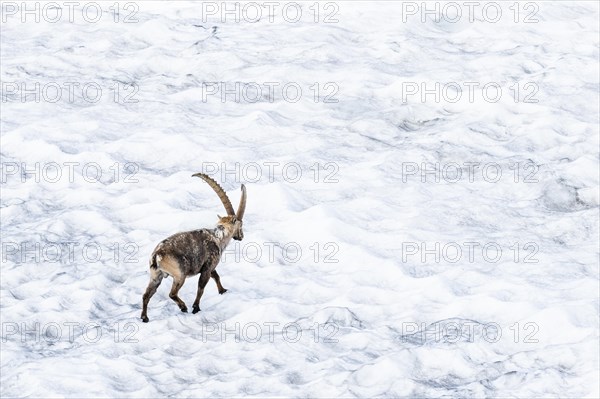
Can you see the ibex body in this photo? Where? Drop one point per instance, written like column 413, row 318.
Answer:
column 195, row 252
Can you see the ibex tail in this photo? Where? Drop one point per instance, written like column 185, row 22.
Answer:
column 153, row 263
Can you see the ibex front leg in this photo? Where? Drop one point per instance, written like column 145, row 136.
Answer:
column 217, row 279
column 202, row 281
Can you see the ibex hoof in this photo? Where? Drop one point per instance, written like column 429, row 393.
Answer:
column 145, row 319
column 196, row 309
column 224, row 290
column 184, row 309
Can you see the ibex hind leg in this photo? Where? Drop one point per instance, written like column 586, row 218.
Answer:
column 177, row 284
column 170, row 266
column 156, row 277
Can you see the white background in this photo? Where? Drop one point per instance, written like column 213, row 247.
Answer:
column 388, row 298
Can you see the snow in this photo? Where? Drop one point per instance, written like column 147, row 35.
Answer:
column 395, row 245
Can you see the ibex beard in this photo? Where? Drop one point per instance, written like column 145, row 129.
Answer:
column 195, row 252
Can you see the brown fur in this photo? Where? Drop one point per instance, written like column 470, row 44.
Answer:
column 187, row 254
column 194, row 252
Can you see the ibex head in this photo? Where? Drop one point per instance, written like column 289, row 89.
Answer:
column 233, row 220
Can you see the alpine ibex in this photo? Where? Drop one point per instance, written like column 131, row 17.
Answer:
column 195, row 252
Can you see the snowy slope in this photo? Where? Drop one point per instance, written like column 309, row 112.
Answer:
column 363, row 272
